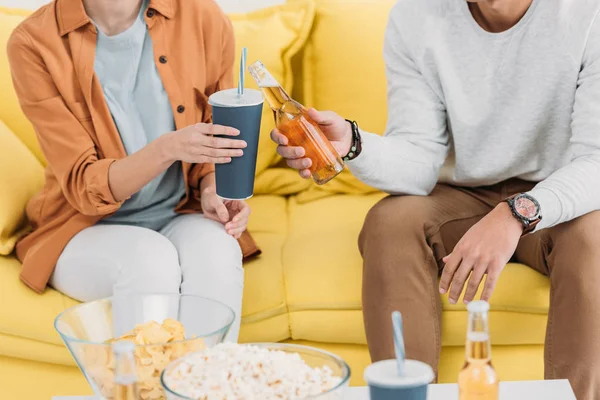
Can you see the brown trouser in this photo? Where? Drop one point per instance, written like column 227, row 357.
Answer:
column 404, row 240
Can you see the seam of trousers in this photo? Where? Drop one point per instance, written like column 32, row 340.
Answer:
column 436, row 321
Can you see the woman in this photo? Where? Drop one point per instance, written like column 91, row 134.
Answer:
column 117, row 92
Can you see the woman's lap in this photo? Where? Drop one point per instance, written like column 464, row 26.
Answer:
column 106, row 259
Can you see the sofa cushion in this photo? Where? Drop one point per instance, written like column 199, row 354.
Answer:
column 345, row 72
column 21, row 176
column 273, row 35
column 323, row 274
column 10, row 111
column 264, row 311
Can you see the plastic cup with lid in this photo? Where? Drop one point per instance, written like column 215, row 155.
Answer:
column 386, row 384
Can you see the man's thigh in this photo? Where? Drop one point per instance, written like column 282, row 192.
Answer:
column 443, row 217
column 561, row 245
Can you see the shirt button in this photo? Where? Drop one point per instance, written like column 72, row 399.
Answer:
column 162, row 59
column 150, row 13
column 180, row 109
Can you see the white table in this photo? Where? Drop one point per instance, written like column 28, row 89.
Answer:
column 526, row 390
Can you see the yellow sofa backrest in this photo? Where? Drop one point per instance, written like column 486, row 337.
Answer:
column 10, row 111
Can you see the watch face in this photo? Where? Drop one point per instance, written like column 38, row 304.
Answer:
column 526, row 208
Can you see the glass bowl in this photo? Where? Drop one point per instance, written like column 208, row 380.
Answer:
column 89, row 329
column 314, row 358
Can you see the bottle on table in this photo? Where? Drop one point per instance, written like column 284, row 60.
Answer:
column 478, row 379
column 126, row 384
column 292, row 120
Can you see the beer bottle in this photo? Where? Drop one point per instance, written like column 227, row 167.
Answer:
column 293, row 121
column 126, row 385
column 478, row 379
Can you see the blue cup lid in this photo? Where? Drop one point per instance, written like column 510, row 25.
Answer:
column 384, row 374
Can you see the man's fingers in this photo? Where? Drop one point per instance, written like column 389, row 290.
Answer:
column 305, row 174
column 300, row 164
column 474, row 282
column 290, row 153
column 279, row 138
column 490, row 284
column 321, row 117
column 212, row 129
column 459, row 279
column 453, row 260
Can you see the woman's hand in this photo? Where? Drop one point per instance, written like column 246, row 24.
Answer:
column 196, row 144
column 233, row 214
column 335, row 128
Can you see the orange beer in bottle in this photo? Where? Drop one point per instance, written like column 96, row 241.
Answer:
column 478, row 379
column 292, row 120
column 126, row 384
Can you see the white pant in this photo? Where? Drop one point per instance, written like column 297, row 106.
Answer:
column 190, row 255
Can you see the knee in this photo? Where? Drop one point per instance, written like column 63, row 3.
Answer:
column 153, row 266
column 580, row 236
column 214, row 260
column 394, row 221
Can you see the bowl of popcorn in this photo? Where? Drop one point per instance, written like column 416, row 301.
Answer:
column 163, row 328
column 268, row 371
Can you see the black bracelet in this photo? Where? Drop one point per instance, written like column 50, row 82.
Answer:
column 356, row 146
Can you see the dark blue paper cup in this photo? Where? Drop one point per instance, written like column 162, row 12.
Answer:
column 235, row 180
column 385, row 383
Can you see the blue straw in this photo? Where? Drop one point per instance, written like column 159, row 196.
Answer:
column 242, row 71
column 399, row 341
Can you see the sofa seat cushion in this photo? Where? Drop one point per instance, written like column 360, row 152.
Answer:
column 323, row 275
column 27, row 320
column 264, row 313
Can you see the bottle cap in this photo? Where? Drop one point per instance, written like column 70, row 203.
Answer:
column 478, row 306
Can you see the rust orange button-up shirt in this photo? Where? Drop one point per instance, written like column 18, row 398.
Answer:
column 52, row 61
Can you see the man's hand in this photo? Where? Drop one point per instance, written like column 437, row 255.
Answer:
column 335, row 128
column 485, row 248
column 233, row 214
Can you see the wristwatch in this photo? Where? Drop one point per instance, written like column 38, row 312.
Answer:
column 356, row 146
column 527, row 210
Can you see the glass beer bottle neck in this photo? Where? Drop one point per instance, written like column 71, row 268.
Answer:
column 275, row 95
column 478, row 338
column 478, row 346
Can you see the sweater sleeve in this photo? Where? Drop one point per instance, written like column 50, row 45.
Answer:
column 574, row 190
column 408, row 158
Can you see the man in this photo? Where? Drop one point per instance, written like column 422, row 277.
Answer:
column 507, row 93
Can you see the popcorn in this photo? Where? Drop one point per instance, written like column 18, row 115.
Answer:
column 157, row 346
column 239, row 372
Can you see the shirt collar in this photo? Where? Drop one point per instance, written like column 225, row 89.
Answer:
column 71, row 14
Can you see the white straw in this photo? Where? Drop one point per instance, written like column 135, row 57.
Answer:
column 242, row 71
column 399, row 341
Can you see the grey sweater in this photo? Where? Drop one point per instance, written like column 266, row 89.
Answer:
column 473, row 108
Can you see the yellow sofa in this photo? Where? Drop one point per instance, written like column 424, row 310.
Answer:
column 306, row 287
